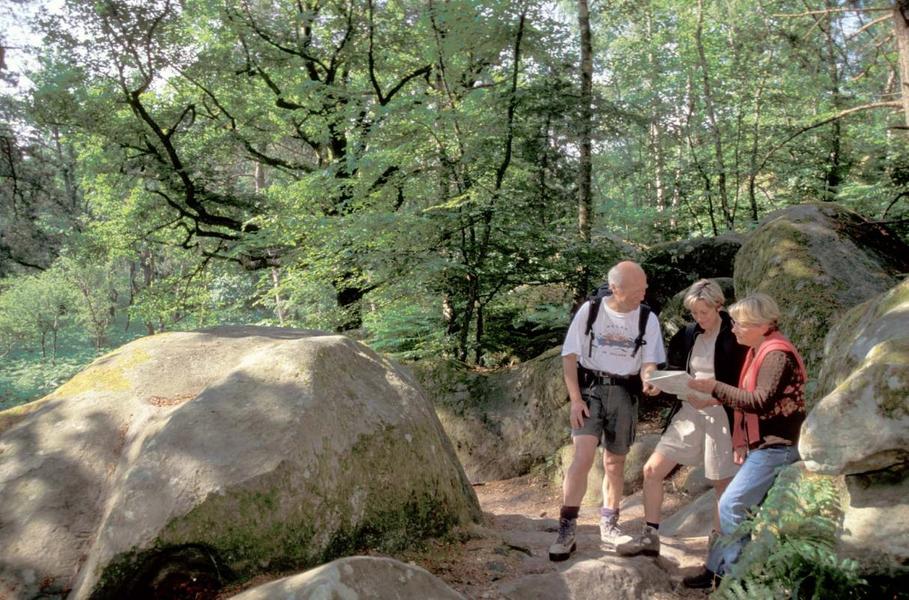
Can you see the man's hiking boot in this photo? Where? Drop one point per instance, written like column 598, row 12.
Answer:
column 647, row 543
column 610, row 534
column 704, row 580
column 565, row 543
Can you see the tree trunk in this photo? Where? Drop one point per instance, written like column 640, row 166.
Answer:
column 901, row 31
column 653, row 132
column 833, row 174
column 279, row 303
column 711, row 118
column 585, row 129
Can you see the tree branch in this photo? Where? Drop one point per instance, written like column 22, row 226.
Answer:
column 843, row 113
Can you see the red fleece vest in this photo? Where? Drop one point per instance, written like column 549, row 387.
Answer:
column 745, row 426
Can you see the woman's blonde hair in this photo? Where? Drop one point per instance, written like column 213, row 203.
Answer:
column 756, row 308
column 708, row 291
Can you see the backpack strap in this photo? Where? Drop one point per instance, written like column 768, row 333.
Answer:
column 591, row 317
column 642, row 328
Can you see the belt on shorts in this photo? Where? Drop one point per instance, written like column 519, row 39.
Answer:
column 603, row 378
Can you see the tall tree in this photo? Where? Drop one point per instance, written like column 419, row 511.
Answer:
column 585, row 130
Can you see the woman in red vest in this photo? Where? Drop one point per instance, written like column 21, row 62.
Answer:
column 769, row 408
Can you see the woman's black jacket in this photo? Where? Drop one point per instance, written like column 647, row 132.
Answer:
column 728, row 356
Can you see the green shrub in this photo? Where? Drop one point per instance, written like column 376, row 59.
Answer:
column 793, row 549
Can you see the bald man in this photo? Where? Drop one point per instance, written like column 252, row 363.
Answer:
column 604, row 405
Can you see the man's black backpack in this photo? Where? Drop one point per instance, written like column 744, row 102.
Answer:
column 595, row 300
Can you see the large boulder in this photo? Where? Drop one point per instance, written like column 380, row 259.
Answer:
column 356, row 577
column 501, row 422
column 260, row 449
column 673, row 266
column 818, row 260
column 862, row 422
column 875, row 530
column 860, row 428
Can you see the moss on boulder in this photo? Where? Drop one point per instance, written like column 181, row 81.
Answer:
column 818, row 260
column 860, row 428
column 265, row 449
column 862, row 423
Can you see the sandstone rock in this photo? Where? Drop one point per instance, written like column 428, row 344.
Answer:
column 692, row 481
column 673, row 266
column 634, row 464
column 614, row 577
column 818, row 260
column 861, row 428
column 504, row 422
column 356, row 577
column 262, row 448
column 641, row 450
column 875, row 529
column 694, row 519
column 863, row 423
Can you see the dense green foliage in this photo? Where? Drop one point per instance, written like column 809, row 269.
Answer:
column 407, row 171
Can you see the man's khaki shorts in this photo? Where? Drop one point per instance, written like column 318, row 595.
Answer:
column 613, row 417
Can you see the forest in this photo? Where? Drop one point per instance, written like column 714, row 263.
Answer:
column 437, row 178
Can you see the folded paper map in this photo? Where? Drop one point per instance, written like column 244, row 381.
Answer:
column 675, row 383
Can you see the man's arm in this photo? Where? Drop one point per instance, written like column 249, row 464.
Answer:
column 579, row 408
column 646, row 370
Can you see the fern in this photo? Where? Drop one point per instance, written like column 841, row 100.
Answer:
column 792, row 553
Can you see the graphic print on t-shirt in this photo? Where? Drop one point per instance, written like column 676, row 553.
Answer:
column 613, row 341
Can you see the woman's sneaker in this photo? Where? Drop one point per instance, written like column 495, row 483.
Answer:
column 647, row 543
column 610, row 534
column 565, row 543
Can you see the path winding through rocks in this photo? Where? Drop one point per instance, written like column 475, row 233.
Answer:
column 507, row 557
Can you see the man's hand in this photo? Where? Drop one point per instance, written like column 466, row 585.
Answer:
column 739, row 454
column 647, row 387
column 579, row 408
column 579, row 411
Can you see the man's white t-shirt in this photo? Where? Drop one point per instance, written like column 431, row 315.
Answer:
column 613, row 341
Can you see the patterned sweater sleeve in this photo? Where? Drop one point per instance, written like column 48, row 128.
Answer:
column 776, row 369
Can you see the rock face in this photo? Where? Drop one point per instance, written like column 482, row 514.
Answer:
column 356, row 577
column 875, row 531
column 860, row 428
column 504, row 422
column 622, row 579
column 260, row 448
column 862, row 423
column 818, row 260
column 673, row 266
column 694, row 519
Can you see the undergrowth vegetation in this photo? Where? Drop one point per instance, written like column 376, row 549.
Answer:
column 793, row 549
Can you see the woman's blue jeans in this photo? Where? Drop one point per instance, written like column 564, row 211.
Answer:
column 746, row 490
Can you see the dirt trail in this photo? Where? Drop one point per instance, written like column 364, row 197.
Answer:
column 521, row 520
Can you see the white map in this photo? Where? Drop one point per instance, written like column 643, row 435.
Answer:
column 675, row 383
